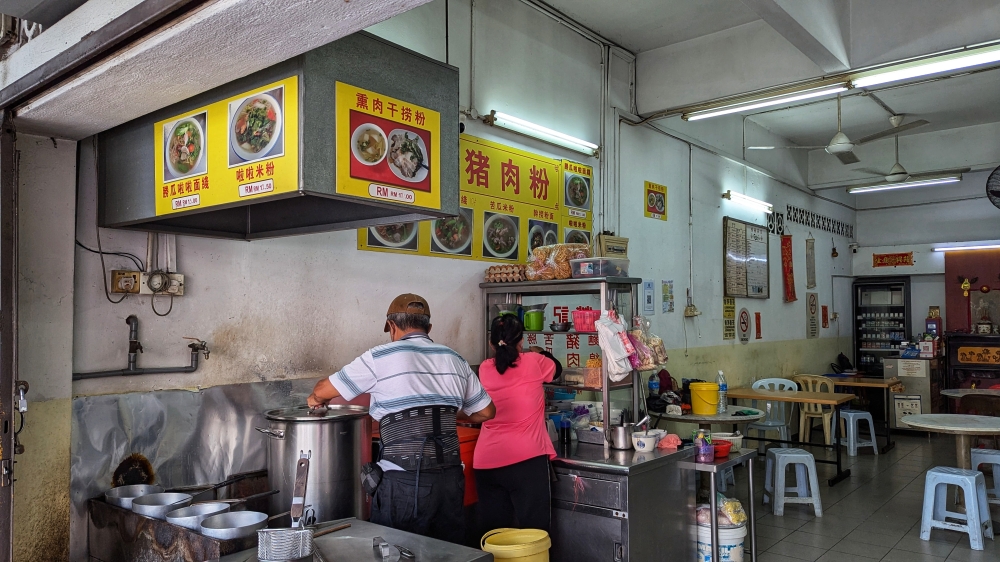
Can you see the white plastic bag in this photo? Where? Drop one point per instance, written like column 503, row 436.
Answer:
column 611, row 337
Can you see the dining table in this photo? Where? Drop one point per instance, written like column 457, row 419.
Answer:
column 734, row 415
column 835, row 400
column 872, row 382
column 958, row 393
column 963, row 426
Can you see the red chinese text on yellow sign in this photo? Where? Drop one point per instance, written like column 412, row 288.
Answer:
column 219, row 175
column 365, row 110
column 495, row 170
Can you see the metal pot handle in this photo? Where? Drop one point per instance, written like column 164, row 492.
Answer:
column 275, row 433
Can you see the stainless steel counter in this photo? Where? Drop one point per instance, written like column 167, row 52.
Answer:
column 630, row 462
column 355, row 544
column 623, row 507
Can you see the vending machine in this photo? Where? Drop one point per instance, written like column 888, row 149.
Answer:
column 881, row 321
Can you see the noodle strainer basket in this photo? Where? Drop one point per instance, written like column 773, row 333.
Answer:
column 284, row 545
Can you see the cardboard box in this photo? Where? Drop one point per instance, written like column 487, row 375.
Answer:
column 928, row 349
column 606, row 246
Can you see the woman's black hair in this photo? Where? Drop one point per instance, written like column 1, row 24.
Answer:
column 505, row 333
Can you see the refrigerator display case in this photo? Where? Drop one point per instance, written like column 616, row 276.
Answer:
column 881, row 321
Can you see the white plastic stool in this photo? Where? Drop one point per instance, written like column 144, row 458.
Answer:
column 722, row 478
column 806, row 481
column 992, row 457
column 850, row 418
column 977, row 510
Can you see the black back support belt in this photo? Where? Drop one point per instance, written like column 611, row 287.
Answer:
column 424, row 437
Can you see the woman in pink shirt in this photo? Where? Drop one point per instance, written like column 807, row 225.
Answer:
column 513, row 452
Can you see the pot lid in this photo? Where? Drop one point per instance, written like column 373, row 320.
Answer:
column 302, row 413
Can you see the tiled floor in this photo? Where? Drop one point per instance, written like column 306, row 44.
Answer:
column 873, row 515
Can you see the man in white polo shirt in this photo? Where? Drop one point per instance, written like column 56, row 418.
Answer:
column 417, row 387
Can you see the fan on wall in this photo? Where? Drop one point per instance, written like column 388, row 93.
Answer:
column 993, row 187
column 898, row 173
column 843, row 148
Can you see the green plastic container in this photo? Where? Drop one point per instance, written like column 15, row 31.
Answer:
column 534, row 320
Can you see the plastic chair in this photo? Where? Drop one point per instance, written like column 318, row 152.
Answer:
column 777, row 413
column 809, row 412
column 990, row 457
column 977, row 510
column 850, row 418
column 806, row 481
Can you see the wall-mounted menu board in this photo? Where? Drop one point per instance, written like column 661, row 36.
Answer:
column 745, row 266
column 510, row 202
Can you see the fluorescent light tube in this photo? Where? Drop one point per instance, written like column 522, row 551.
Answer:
column 951, row 178
column 747, row 200
column 527, row 128
column 958, row 248
column 764, row 102
column 934, row 65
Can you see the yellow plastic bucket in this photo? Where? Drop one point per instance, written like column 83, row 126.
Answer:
column 517, row 545
column 704, row 398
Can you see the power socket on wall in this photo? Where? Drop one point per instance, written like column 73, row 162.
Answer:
column 138, row 283
column 125, row 281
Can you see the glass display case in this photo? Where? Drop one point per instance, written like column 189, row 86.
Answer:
column 881, row 321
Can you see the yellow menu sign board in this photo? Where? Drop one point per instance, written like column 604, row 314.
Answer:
column 495, row 170
column 235, row 149
column 578, row 181
column 387, row 149
column 510, row 202
column 655, row 201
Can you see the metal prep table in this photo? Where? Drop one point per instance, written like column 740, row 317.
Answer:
column 355, row 544
column 622, row 505
column 741, row 456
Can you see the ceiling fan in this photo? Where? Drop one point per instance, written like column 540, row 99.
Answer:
column 843, row 148
column 898, row 173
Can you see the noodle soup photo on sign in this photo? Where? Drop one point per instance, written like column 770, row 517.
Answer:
column 399, row 236
column 541, row 233
column 453, row 235
column 255, row 127
column 574, row 236
column 184, row 147
column 577, row 191
column 500, row 236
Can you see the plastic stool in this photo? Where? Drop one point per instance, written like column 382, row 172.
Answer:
column 850, row 418
column 992, row 457
column 977, row 510
column 721, row 479
column 806, row 480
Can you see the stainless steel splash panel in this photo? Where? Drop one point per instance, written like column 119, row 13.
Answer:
column 188, row 437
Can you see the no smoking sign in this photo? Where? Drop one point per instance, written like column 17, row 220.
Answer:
column 743, row 325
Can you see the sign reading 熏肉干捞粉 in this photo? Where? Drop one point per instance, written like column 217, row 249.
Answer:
column 232, row 150
column 387, row 149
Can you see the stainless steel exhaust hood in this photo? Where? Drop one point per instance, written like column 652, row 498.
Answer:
column 356, row 133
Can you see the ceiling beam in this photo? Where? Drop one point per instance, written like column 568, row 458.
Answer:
column 817, row 30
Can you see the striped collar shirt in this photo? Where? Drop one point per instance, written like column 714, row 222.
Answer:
column 411, row 372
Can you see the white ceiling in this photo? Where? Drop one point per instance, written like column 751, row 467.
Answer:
column 950, row 103
column 642, row 25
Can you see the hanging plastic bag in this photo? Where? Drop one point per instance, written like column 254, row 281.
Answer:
column 615, row 346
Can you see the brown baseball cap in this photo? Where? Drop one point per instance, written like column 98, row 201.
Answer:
column 408, row 303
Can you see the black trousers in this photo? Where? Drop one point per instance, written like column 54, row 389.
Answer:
column 518, row 495
column 438, row 503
